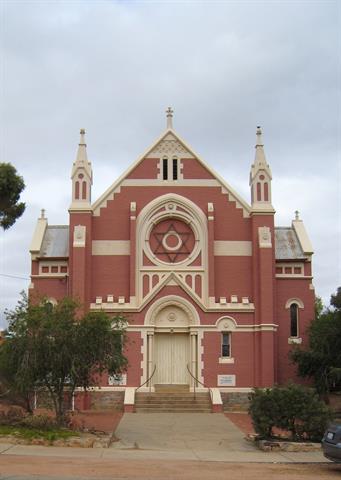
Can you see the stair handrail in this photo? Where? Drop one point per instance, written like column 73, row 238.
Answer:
column 148, row 380
column 197, row 380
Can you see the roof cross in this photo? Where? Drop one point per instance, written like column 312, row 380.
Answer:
column 169, row 113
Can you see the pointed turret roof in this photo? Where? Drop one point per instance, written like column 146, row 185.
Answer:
column 82, row 157
column 260, row 162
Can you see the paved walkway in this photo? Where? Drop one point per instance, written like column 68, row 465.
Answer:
column 211, row 437
column 170, row 437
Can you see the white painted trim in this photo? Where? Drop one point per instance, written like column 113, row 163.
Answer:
column 226, row 360
column 230, row 248
column 294, row 340
column 226, row 324
column 226, row 188
column 302, row 236
column 168, row 206
column 110, row 247
column 38, row 236
column 236, row 389
column 290, row 301
column 209, row 328
column 176, row 301
column 129, row 396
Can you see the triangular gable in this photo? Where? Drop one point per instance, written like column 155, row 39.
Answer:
column 184, row 150
column 171, row 279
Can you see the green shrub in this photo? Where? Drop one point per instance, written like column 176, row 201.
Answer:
column 39, row 422
column 13, row 416
column 293, row 409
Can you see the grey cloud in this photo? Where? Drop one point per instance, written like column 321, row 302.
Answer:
column 113, row 68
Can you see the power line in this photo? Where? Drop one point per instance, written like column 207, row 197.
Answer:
column 14, row 276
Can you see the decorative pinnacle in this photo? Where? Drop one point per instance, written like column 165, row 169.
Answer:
column 297, row 215
column 259, row 137
column 42, row 213
column 82, row 139
column 169, row 113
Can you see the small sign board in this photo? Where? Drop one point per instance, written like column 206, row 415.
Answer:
column 226, row 380
column 119, row 379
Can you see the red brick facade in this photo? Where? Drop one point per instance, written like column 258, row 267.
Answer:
column 191, row 265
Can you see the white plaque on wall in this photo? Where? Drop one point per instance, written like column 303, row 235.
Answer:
column 226, row 380
column 119, row 379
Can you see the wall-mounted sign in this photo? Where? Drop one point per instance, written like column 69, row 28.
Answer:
column 119, row 379
column 226, row 380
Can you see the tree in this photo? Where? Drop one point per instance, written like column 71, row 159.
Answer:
column 321, row 361
column 11, row 186
column 48, row 347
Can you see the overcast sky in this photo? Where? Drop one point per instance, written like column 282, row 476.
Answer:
column 113, row 67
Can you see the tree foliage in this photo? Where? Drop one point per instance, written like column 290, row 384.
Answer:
column 294, row 409
column 11, row 186
column 321, row 361
column 48, row 347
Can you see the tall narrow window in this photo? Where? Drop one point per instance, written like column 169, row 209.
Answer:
column 77, row 190
column 225, row 344
column 84, row 190
column 259, row 195
column 266, row 191
column 175, row 169
column 165, row 169
column 294, row 320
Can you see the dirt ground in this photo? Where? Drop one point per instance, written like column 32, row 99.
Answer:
column 156, row 470
column 242, row 421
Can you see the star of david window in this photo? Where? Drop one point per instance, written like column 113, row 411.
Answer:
column 171, row 241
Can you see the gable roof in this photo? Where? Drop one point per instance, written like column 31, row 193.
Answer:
column 287, row 245
column 55, row 242
column 226, row 188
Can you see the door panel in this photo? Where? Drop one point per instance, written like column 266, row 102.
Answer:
column 171, row 358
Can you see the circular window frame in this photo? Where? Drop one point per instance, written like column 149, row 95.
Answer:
column 169, row 215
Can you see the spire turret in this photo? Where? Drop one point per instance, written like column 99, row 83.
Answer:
column 81, row 176
column 260, row 176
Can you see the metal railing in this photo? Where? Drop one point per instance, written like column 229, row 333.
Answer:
column 148, row 380
column 197, row 380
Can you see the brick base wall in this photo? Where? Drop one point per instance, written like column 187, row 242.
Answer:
column 106, row 401
column 235, row 401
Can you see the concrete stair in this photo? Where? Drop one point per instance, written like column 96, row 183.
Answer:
column 172, row 401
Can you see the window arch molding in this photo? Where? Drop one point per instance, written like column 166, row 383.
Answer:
column 177, row 207
column 298, row 301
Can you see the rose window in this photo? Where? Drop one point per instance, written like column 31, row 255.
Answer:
column 171, row 241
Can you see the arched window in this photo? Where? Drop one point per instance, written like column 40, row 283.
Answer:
column 259, row 194
column 77, row 190
column 266, row 191
column 294, row 320
column 175, row 168
column 165, row 168
column 84, row 190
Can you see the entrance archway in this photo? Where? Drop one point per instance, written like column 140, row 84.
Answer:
column 172, row 343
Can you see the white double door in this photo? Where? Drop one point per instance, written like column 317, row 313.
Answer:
column 171, row 358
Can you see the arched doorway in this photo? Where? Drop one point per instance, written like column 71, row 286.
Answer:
column 171, row 346
column 172, row 341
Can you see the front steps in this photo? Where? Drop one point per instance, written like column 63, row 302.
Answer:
column 172, row 402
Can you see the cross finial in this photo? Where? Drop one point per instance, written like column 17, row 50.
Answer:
column 297, row 215
column 169, row 113
column 259, row 137
column 42, row 214
column 82, row 139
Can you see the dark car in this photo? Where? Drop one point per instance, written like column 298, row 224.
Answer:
column 331, row 442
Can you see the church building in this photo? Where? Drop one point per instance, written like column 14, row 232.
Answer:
column 215, row 294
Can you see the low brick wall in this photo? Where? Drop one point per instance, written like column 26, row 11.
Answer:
column 235, row 401
column 106, row 400
column 282, row 446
